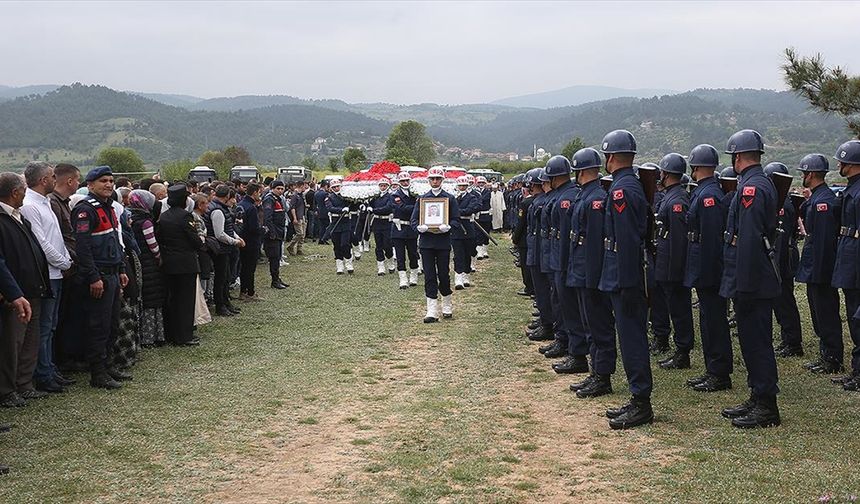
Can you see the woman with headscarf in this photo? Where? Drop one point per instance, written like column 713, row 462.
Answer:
column 140, row 204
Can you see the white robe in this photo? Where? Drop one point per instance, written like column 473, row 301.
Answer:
column 497, row 207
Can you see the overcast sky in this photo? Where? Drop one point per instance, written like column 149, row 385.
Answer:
column 415, row 52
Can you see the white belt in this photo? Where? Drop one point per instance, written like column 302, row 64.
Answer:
column 383, row 217
column 354, row 213
column 402, row 222
column 485, row 212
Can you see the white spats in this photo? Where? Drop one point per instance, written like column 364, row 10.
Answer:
column 447, row 307
column 339, row 265
column 404, row 281
column 458, row 281
column 380, row 268
column 413, row 277
column 432, row 314
column 349, row 268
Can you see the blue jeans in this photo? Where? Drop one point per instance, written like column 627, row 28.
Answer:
column 45, row 368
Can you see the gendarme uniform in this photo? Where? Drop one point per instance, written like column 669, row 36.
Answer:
column 275, row 222
column 485, row 219
column 539, row 279
column 338, row 212
column 381, row 209
column 460, row 237
column 403, row 237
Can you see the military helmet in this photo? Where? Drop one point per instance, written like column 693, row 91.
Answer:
column 481, row 179
column 775, row 167
column 557, row 166
column 673, row 163
column 745, row 141
column 814, row 163
column 704, row 155
column 728, row 173
column 848, row 153
column 542, row 176
column 404, row 175
column 336, row 182
column 462, row 180
column 435, row 172
column 618, row 142
column 471, row 178
column 384, row 180
column 586, row 158
column 533, row 176
column 686, row 180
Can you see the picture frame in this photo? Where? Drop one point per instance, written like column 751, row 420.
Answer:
column 433, row 213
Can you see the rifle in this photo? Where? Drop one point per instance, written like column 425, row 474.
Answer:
column 796, row 201
column 729, row 184
column 605, row 182
column 782, row 183
column 478, row 226
column 648, row 179
column 330, row 228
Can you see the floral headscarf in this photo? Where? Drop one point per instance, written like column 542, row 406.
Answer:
column 141, row 199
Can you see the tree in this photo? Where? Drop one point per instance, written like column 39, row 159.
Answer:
column 830, row 90
column 333, row 164
column 570, row 149
column 309, row 162
column 354, row 159
column 238, row 156
column 218, row 162
column 120, row 159
column 409, row 140
column 176, row 170
column 401, row 157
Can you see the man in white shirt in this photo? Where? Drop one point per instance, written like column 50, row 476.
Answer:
column 46, row 228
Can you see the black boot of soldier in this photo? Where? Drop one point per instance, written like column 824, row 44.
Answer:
column 541, row 334
column 572, row 365
column 713, row 383
column 764, row 414
column 577, row 386
column 638, row 413
column 659, row 345
column 558, row 349
column 679, row 360
column 600, row 385
column 741, row 409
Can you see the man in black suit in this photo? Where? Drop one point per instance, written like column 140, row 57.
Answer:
column 179, row 243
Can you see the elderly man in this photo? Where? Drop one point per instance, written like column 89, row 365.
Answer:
column 41, row 180
column 27, row 263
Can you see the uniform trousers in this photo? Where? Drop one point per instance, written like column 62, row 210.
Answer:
column 274, row 250
column 525, row 272
column 340, row 242
column 437, row 274
column 19, row 348
column 714, row 330
column 631, row 320
column 179, row 310
column 596, row 310
column 406, row 247
column 462, row 259
column 248, row 256
column 755, row 330
column 102, row 317
column 571, row 317
column 323, row 224
column 658, row 306
column 679, row 302
column 543, row 297
column 824, row 308
column 852, row 304
column 384, row 249
column 787, row 315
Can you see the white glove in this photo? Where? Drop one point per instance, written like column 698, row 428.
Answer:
column 362, row 207
column 344, row 210
column 422, row 228
column 444, row 228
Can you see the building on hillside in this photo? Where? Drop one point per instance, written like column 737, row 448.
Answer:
column 318, row 144
column 513, row 156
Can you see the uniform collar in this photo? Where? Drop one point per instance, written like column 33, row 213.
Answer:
column 820, row 186
column 749, row 172
column 853, row 180
column 627, row 171
column 707, row 181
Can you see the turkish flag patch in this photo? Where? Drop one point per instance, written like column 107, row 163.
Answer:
column 565, row 204
column 821, row 207
column 618, row 194
column 709, row 202
column 781, row 212
column 597, row 205
column 749, row 191
column 677, row 208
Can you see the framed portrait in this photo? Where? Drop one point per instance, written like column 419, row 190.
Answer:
column 434, row 213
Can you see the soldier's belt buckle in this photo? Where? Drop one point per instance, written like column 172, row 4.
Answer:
column 580, row 240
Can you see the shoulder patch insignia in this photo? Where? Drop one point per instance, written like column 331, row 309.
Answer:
column 821, row 207
column 749, row 191
column 597, row 205
column 709, row 202
column 677, row 208
column 618, row 194
column 564, row 204
column 82, row 215
column 781, row 212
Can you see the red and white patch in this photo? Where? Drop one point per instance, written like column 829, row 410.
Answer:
column 618, row 194
column 82, row 215
column 620, row 208
column 397, row 199
column 749, row 191
column 746, row 202
column 677, row 208
column 597, row 205
column 564, row 204
column 83, row 226
column 709, row 202
column 821, row 207
column 781, row 212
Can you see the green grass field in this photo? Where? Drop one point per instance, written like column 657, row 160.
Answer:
column 334, row 391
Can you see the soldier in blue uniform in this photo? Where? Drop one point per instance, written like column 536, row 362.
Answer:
column 435, row 245
column 575, row 347
column 338, row 212
column 545, row 330
column 403, row 237
column 555, row 348
column 275, row 224
column 750, row 278
column 622, row 276
column 658, row 306
column 322, row 213
column 520, row 232
column 706, row 223
column 846, row 272
column 671, row 258
column 100, row 274
column 820, row 217
column 380, row 209
column 460, row 236
column 473, row 241
column 584, row 265
column 485, row 217
column 785, row 306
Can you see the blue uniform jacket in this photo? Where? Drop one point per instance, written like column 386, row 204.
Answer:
column 752, row 217
column 846, row 273
column 485, row 215
column 439, row 241
column 559, row 236
column 334, row 205
column 96, row 239
column 786, row 240
column 706, row 223
column 545, row 226
column 533, row 238
column 381, row 209
column 625, row 226
column 586, row 237
column 469, row 205
column 820, row 216
column 402, row 203
column 319, row 199
column 671, row 231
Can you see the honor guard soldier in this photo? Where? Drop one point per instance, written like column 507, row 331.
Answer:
column 575, row 347
column 671, row 258
column 100, row 273
column 473, row 242
column 846, row 272
column 820, row 218
column 583, row 274
column 560, row 338
column 403, row 237
column 751, row 278
column 785, row 306
column 626, row 226
column 545, row 331
column 435, row 248
column 338, row 211
column 520, row 232
column 658, row 307
column 485, row 217
column 380, row 209
column 275, row 224
column 706, row 223
column 460, row 236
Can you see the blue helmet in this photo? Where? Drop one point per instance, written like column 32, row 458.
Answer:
column 531, row 176
column 848, row 153
column 542, row 176
column 557, row 166
column 728, row 173
column 745, row 141
column 704, row 155
column 814, row 163
column 618, row 142
column 586, row 158
column 673, row 163
column 775, row 167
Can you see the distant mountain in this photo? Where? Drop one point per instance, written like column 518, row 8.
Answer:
column 10, row 92
column 577, row 95
column 177, row 100
column 248, row 102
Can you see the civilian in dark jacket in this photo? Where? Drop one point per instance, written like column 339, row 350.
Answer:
column 252, row 233
column 180, row 243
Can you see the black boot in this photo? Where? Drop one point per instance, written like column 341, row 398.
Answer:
column 119, row 375
column 741, row 409
column 713, row 384
column 659, row 345
column 852, row 385
column 764, row 414
column 534, row 324
column 541, row 334
column 559, row 349
column 276, row 284
column 576, row 386
column 600, row 385
column 572, row 365
column 638, row 413
column 680, row 360
column 222, row 311
column 828, row 367
column 788, row 351
column 104, row 380
column 697, row 379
